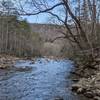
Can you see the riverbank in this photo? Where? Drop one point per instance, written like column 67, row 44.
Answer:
column 87, row 81
column 7, row 61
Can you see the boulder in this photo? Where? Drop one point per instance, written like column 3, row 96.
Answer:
column 89, row 94
column 58, row 98
column 22, row 69
column 75, row 87
column 96, row 98
column 97, row 92
column 80, row 90
column 5, row 66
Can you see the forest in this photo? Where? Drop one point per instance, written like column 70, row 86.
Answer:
column 16, row 37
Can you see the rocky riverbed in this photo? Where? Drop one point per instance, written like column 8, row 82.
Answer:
column 36, row 79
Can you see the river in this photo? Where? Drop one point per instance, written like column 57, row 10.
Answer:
column 48, row 79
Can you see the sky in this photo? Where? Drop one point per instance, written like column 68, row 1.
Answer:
column 41, row 18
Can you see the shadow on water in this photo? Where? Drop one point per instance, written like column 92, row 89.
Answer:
column 45, row 80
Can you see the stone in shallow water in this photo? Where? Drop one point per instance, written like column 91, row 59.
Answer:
column 58, row 98
column 26, row 68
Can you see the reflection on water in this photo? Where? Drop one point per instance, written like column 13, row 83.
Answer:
column 46, row 80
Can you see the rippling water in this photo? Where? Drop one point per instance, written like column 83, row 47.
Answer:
column 47, row 80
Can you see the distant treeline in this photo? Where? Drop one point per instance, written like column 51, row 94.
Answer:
column 16, row 37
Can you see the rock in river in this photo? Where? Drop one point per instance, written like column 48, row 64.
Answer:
column 22, row 69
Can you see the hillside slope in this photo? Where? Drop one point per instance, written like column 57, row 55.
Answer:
column 47, row 33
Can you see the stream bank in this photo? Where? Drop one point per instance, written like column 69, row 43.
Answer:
column 87, row 81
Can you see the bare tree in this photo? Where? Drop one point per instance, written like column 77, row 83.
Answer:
column 79, row 17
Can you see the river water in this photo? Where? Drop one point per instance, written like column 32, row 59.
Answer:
column 47, row 80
